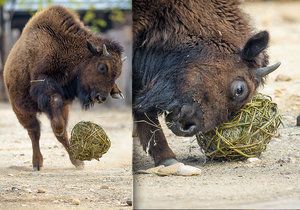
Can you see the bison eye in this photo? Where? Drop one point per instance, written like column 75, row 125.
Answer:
column 102, row 68
column 239, row 90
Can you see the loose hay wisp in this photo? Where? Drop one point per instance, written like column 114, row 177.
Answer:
column 88, row 141
column 247, row 135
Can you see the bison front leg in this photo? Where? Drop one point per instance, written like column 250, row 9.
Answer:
column 59, row 118
column 148, row 129
column 152, row 138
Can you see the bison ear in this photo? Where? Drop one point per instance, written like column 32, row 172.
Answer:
column 255, row 45
column 92, row 48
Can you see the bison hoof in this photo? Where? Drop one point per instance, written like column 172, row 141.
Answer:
column 37, row 168
column 169, row 162
column 37, row 162
column 78, row 164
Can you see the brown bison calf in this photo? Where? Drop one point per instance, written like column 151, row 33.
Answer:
column 196, row 62
column 56, row 60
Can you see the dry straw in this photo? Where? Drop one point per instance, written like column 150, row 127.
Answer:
column 88, row 141
column 247, row 135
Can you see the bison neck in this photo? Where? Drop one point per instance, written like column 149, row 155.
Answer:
column 71, row 89
column 157, row 79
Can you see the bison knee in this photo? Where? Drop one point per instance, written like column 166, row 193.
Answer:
column 51, row 104
column 27, row 120
column 57, row 121
column 56, row 102
column 43, row 103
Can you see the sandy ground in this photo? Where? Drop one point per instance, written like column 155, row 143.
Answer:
column 273, row 183
column 104, row 184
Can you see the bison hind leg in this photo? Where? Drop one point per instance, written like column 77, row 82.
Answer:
column 30, row 122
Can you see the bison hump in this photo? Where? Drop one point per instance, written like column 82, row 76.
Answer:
column 57, row 20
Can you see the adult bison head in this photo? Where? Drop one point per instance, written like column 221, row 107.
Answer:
column 98, row 73
column 200, row 87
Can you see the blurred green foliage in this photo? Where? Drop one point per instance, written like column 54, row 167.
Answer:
column 89, row 18
column 2, row 2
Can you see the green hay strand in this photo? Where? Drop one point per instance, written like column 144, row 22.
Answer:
column 247, row 135
column 88, row 141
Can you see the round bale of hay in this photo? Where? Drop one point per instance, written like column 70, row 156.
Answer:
column 88, row 141
column 245, row 136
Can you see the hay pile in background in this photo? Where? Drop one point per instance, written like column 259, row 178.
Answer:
column 88, row 141
column 247, row 135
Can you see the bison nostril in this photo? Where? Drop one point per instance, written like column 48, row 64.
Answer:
column 188, row 127
column 231, row 115
column 100, row 98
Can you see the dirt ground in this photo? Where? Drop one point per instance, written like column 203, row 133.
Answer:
column 273, row 183
column 106, row 184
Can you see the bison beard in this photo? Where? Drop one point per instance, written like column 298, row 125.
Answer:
column 198, row 62
column 160, row 74
column 42, row 90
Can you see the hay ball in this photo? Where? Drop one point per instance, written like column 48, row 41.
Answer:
column 247, row 135
column 88, row 141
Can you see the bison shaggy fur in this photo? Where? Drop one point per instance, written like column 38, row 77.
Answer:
column 196, row 62
column 55, row 60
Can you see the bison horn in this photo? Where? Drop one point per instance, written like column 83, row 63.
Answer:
column 124, row 58
column 264, row 71
column 117, row 95
column 116, row 92
column 105, row 52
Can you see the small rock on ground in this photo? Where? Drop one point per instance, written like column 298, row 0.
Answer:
column 104, row 187
column 283, row 78
column 287, row 160
column 298, row 120
column 41, row 191
column 75, row 201
column 129, row 202
column 254, row 160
